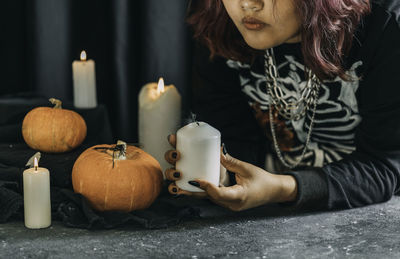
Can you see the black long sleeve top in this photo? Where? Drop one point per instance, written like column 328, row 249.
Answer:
column 353, row 158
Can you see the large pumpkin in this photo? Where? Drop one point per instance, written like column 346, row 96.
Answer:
column 117, row 177
column 53, row 130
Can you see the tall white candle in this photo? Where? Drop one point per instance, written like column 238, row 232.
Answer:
column 200, row 146
column 37, row 207
column 84, row 77
column 159, row 116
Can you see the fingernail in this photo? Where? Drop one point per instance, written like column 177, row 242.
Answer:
column 169, row 136
column 174, row 155
column 194, row 183
column 177, row 174
column 224, row 149
column 174, row 190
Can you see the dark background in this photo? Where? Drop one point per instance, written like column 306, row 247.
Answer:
column 132, row 42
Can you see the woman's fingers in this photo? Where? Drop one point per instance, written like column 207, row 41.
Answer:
column 172, row 175
column 222, row 194
column 234, row 165
column 174, row 189
column 172, row 156
column 223, row 176
column 172, row 140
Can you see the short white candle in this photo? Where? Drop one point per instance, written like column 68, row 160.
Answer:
column 37, row 207
column 84, row 77
column 200, row 147
column 159, row 116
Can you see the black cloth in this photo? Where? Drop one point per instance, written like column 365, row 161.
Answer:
column 368, row 174
column 70, row 208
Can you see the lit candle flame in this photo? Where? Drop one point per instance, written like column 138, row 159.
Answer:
column 83, row 55
column 35, row 164
column 161, row 87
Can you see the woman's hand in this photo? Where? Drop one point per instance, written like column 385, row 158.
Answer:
column 255, row 186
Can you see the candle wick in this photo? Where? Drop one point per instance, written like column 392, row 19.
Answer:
column 194, row 118
column 36, row 167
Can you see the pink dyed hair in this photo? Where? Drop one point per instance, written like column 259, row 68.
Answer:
column 327, row 31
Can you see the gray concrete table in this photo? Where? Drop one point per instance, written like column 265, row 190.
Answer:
column 370, row 232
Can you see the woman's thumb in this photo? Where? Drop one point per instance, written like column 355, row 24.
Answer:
column 232, row 164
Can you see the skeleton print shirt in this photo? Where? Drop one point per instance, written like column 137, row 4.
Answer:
column 353, row 158
column 336, row 118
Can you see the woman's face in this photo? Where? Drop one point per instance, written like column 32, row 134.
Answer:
column 265, row 23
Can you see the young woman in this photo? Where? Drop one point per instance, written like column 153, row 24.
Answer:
column 306, row 94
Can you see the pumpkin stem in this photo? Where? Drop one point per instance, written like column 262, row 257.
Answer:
column 56, row 102
column 118, row 152
column 121, row 153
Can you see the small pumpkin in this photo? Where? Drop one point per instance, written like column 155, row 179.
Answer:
column 53, row 130
column 117, row 177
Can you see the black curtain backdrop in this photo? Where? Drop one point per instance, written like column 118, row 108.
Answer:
column 132, row 42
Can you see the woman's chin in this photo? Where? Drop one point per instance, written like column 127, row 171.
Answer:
column 259, row 44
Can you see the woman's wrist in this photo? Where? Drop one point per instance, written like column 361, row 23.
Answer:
column 288, row 188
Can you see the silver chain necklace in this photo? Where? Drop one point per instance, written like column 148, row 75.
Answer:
column 292, row 110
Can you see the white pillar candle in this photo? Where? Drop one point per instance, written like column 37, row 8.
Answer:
column 37, row 207
column 84, row 77
column 159, row 116
column 200, row 146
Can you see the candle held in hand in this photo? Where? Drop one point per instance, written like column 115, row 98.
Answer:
column 37, row 207
column 84, row 77
column 159, row 116
column 199, row 145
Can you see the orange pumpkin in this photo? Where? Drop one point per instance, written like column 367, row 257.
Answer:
column 53, row 130
column 117, row 177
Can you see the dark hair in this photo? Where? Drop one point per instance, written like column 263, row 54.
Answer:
column 327, row 30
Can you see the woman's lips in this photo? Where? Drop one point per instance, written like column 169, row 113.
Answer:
column 253, row 24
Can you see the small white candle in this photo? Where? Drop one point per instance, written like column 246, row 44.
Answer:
column 159, row 116
column 84, row 77
column 37, row 207
column 200, row 146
